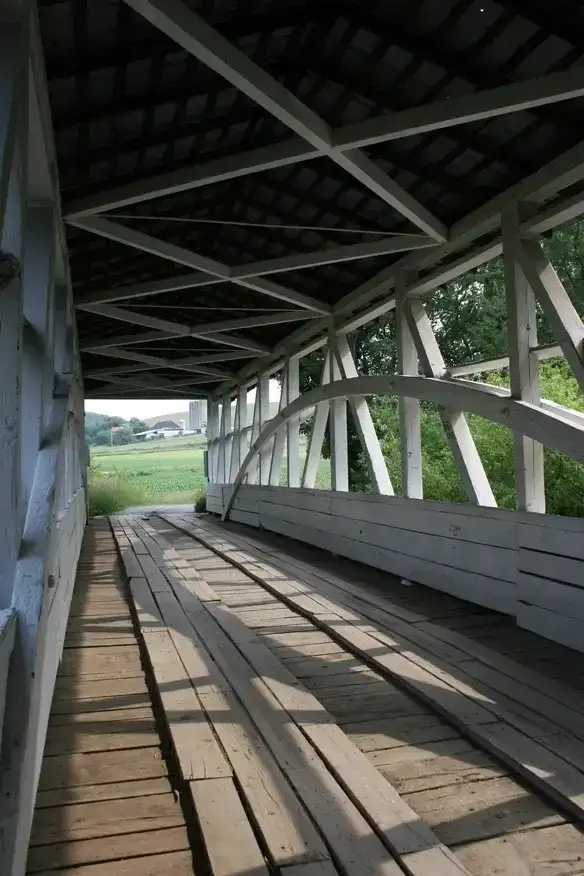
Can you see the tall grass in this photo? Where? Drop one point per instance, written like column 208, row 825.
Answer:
column 113, row 493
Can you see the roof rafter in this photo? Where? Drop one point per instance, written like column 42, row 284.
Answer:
column 474, row 107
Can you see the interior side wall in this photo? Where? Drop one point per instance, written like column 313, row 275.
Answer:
column 525, row 565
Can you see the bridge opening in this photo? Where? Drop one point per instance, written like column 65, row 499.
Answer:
column 379, row 211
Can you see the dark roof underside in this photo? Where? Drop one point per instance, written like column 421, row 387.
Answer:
column 128, row 104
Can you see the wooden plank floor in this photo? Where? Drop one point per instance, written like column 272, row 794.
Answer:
column 486, row 627
column 236, row 717
column 495, row 824
column 108, row 804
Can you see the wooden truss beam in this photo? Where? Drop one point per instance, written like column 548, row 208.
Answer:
column 368, row 249
column 491, row 402
column 523, row 367
column 194, row 364
column 363, row 422
column 545, row 351
column 154, row 246
column 317, row 432
column 555, row 303
column 13, row 99
column 566, row 170
column 468, row 462
column 409, row 408
column 187, row 29
column 174, row 329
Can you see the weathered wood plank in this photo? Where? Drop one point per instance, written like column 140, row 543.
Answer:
column 567, row 631
column 70, row 688
column 317, row 868
column 356, row 848
column 117, row 662
column 217, row 804
column 104, row 791
column 101, row 701
column 431, row 680
column 68, row 771
column 130, row 717
column 152, row 849
column 562, row 599
column 557, row 568
column 549, row 851
column 374, row 798
column 175, row 864
column 288, row 833
column 100, row 736
column 109, row 818
column 195, row 744
column 145, row 605
column 480, row 810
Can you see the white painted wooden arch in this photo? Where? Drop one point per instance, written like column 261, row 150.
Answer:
column 491, row 402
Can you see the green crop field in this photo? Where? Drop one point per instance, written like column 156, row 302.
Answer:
column 166, row 472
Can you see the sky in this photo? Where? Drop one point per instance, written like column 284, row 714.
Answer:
column 140, row 408
column 145, row 408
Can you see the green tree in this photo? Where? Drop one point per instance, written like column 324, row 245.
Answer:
column 470, row 322
column 137, row 425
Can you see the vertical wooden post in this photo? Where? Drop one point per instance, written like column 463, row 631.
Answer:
column 10, row 405
column 13, row 99
column 409, row 408
column 244, row 432
column 227, row 437
column 13, row 169
column 264, row 415
column 280, row 436
column 253, row 470
column 364, row 423
column 212, row 440
column 221, row 446
column 234, row 461
column 319, row 422
column 466, row 457
column 523, row 366
column 338, row 425
column 293, row 425
column 38, row 306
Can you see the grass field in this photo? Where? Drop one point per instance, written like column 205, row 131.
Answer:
column 167, row 472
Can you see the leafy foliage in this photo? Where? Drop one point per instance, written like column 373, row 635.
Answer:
column 98, row 429
column 470, row 322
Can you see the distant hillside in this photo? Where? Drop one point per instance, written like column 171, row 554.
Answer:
column 176, row 418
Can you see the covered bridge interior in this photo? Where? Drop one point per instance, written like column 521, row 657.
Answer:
column 195, row 195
